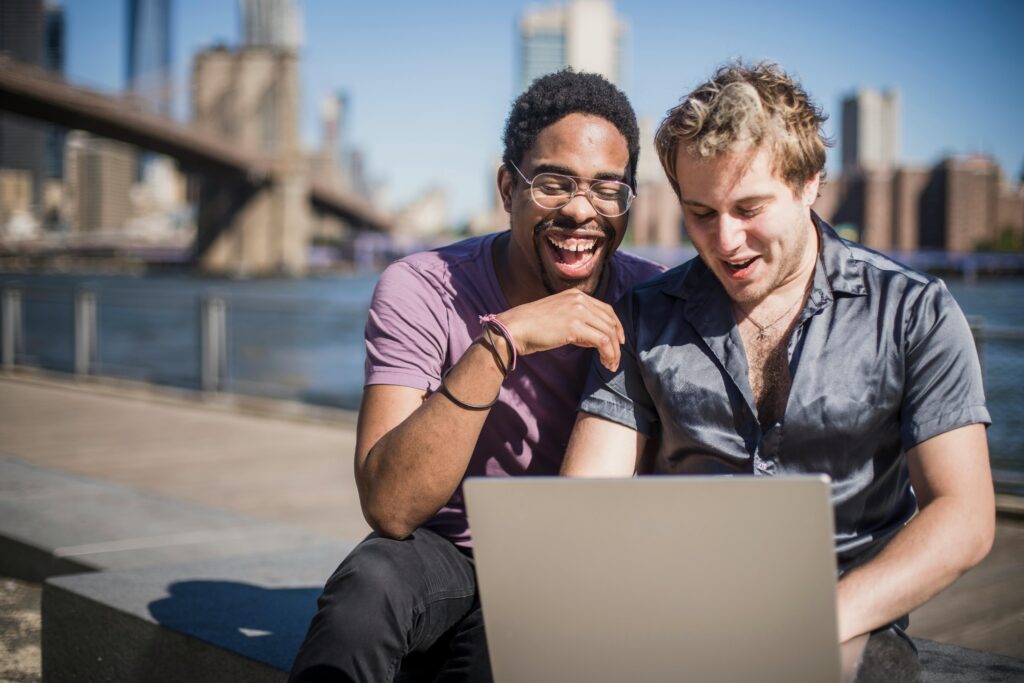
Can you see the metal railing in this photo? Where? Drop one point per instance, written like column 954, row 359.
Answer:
column 208, row 341
column 212, row 341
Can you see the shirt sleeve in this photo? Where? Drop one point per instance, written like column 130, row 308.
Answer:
column 406, row 330
column 621, row 395
column 943, row 384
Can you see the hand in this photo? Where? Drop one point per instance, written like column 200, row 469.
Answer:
column 569, row 317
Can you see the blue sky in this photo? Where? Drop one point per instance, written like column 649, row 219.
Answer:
column 430, row 82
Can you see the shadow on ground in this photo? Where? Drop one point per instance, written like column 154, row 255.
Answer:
column 264, row 624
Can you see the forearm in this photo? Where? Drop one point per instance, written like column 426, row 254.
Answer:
column 412, row 470
column 944, row 540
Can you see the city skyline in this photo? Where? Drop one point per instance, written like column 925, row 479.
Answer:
column 430, row 87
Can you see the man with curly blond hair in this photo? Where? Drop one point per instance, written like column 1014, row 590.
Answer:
column 784, row 349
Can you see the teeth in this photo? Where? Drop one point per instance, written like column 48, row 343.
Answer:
column 573, row 243
column 741, row 265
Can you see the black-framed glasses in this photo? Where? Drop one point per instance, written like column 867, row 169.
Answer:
column 609, row 198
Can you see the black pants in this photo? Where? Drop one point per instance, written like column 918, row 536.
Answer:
column 890, row 656
column 413, row 600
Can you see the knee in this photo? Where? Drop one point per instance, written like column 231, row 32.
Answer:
column 373, row 581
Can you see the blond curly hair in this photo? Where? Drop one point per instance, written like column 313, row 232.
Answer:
column 745, row 106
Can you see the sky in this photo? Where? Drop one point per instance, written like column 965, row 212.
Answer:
column 430, row 82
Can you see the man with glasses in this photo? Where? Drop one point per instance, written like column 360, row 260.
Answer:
column 476, row 356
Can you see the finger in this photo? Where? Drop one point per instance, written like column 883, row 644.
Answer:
column 604, row 339
column 620, row 332
column 601, row 317
column 591, row 307
column 607, row 312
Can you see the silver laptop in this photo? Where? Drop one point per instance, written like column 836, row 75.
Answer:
column 657, row 578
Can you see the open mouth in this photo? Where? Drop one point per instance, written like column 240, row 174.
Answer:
column 739, row 268
column 574, row 256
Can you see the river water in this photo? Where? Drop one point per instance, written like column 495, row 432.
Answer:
column 302, row 339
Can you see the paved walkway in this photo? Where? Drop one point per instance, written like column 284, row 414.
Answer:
column 288, row 470
column 299, row 471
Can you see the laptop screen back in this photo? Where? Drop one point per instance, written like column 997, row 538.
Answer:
column 656, row 578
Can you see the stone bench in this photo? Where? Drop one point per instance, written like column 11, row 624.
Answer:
column 144, row 587
column 237, row 619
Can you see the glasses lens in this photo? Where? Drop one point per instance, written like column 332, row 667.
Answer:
column 609, row 197
column 553, row 191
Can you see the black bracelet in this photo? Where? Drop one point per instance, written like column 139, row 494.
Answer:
column 443, row 389
column 495, row 352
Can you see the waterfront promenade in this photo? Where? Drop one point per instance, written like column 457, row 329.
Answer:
column 293, row 464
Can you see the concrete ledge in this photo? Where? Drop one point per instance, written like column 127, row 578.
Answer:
column 238, row 619
column 53, row 523
column 243, row 619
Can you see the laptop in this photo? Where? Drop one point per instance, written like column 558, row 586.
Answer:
column 684, row 578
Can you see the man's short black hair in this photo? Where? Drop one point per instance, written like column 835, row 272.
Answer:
column 552, row 97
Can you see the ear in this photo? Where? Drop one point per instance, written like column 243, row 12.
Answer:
column 505, row 187
column 810, row 194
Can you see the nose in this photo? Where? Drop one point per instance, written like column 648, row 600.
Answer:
column 579, row 208
column 730, row 234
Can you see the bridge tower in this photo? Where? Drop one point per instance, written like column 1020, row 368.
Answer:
column 250, row 97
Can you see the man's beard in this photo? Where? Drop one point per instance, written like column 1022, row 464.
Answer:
column 549, row 286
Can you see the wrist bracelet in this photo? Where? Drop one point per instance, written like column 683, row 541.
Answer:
column 490, row 321
column 495, row 352
column 443, row 389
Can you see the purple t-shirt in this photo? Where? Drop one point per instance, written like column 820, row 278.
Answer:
column 423, row 317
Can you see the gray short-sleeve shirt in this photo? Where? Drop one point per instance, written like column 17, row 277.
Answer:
column 881, row 359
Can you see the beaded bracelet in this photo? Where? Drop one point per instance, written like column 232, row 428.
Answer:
column 492, row 321
column 443, row 389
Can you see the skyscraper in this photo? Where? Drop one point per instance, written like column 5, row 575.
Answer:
column 272, row 24
column 583, row 34
column 53, row 59
column 99, row 180
column 22, row 141
column 148, row 63
column 871, row 130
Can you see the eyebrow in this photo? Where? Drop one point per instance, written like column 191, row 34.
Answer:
column 555, row 168
column 743, row 200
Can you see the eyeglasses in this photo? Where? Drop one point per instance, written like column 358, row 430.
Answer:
column 609, row 198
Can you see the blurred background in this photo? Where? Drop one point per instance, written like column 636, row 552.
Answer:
column 201, row 194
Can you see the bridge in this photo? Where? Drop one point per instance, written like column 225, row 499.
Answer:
column 239, row 186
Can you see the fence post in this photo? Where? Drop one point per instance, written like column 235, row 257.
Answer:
column 10, row 345
column 213, row 343
column 85, row 332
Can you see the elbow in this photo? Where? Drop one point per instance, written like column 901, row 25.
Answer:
column 983, row 538
column 975, row 541
column 379, row 511
column 385, row 522
column 396, row 531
